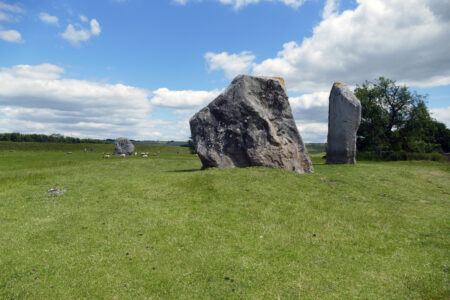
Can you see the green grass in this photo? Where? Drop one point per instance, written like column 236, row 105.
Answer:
column 138, row 228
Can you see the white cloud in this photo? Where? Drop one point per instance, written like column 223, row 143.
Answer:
column 12, row 36
column 83, row 18
column 404, row 40
column 75, row 36
column 6, row 17
column 231, row 64
column 241, row 3
column 185, row 102
column 330, row 8
column 49, row 19
column 311, row 115
column 95, row 27
column 38, row 99
column 11, row 8
column 441, row 115
column 8, row 13
column 313, row 132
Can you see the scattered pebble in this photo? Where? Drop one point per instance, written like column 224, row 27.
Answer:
column 261, row 236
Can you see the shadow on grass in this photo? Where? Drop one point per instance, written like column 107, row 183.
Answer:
column 185, row 171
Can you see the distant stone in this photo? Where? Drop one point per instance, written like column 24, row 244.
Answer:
column 344, row 117
column 56, row 192
column 250, row 124
column 123, row 146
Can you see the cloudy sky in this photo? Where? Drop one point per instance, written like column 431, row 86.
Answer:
column 141, row 69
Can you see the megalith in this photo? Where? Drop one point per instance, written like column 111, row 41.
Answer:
column 344, row 117
column 123, row 146
column 250, row 124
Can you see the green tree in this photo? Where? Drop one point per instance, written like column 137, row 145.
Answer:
column 386, row 107
column 191, row 146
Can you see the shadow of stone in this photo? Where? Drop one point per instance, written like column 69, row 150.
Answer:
column 185, row 171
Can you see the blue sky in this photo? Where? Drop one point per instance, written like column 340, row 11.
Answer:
column 140, row 68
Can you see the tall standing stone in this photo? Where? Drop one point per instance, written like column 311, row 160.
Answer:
column 123, row 146
column 250, row 124
column 344, row 117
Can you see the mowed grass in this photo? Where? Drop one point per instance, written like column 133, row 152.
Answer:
column 154, row 228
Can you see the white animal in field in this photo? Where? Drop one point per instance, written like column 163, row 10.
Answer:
column 144, row 156
column 107, row 155
column 135, row 153
column 122, row 155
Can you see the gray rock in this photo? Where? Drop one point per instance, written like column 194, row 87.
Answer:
column 123, row 146
column 344, row 117
column 250, row 124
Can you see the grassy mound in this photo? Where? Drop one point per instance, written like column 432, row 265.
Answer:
column 160, row 228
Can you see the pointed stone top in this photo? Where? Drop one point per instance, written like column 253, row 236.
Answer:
column 280, row 79
column 340, row 88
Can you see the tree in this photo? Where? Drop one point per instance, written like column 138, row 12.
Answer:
column 191, row 146
column 393, row 118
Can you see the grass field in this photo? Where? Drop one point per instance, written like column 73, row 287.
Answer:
column 154, row 228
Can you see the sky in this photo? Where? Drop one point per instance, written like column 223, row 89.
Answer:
column 141, row 68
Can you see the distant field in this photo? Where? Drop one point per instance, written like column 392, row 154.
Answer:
column 151, row 228
column 140, row 146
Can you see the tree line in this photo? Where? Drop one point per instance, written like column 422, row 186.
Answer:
column 394, row 119
column 42, row 138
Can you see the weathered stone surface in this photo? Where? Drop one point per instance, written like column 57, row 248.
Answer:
column 123, row 146
column 344, row 117
column 250, row 124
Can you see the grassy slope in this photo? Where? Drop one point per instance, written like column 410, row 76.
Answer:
column 158, row 227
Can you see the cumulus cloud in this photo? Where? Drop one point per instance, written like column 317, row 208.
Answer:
column 404, row 40
column 186, row 99
column 76, row 33
column 49, row 19
column 8, row 13
column 12, row 36
column 6, row 17
column 39, row 99
column 313, row 132
column 310, row 107
column 13, row 8
column 442, row 115
column 311, row 115
column 83, row 18
column 236, row 4
column 231, row 64
column 329, row 9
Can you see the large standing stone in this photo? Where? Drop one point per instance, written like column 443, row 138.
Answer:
column 344, row 116
column 250, row 124
column 123, row 146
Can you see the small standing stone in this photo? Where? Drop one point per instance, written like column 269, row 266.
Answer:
column 344, row 117
column 123, row 146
